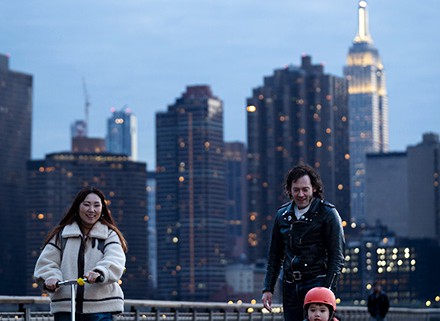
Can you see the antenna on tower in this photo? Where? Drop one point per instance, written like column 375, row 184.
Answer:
column 86, row 103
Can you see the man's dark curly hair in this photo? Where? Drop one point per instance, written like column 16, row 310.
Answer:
column 302, row 170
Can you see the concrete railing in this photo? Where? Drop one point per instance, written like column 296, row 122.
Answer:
column 36, row 309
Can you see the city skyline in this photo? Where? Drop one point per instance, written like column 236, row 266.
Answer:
column 144, row 54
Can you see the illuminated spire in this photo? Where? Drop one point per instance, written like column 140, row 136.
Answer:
column 363, row 34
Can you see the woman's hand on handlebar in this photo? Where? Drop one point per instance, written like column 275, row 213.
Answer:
column 93, row 277
column 51, row 284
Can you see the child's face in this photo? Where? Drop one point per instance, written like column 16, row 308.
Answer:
column 318, row 312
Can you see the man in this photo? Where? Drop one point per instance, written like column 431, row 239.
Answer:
column 307, row 242
column 378, row 303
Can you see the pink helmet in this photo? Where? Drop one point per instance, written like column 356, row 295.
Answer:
column 320, row 295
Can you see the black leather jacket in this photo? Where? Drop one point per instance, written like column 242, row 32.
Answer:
column 308, row 247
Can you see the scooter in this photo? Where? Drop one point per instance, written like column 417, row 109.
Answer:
column 73, row 283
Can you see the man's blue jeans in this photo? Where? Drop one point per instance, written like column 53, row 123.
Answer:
column 65, row 316
column 293, row 297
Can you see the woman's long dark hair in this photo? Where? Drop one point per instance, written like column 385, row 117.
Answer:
column 72, row 215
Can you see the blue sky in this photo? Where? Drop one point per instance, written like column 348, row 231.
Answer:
column 143, row 53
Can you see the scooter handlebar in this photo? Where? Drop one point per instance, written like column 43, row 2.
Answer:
column 80, row 281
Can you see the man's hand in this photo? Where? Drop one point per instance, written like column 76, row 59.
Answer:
column 267, row 300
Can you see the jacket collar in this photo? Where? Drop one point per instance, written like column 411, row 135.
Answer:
column 99, row 231
column 314, row 206
column 313, row 210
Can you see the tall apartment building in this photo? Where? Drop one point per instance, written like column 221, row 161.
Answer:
column 190, row 202
column 54, row 181
column 403, row 190
column 368, row 104
column 15, row 151
column 122, row 133
column 299, row 115
column 236, row 199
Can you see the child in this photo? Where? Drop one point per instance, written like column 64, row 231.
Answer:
column 320, row 305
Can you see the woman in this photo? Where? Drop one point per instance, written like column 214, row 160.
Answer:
column 86, row 243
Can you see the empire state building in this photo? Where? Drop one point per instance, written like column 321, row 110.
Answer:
column 368, row 108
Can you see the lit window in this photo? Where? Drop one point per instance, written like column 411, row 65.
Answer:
column 251, row 108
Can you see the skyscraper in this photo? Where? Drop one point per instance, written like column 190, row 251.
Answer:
column 190, row 202
column 299, row 115
column 368, row 105
column 53, row 183
column 122, row 133
column 15, row 150
column 236, row 199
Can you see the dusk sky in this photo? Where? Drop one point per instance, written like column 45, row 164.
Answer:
column 143, row 54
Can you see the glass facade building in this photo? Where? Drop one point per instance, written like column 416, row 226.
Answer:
column 122, row 133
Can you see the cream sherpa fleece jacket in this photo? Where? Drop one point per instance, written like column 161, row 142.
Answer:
column 102, row 252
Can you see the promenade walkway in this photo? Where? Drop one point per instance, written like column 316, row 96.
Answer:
column 14, row 308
